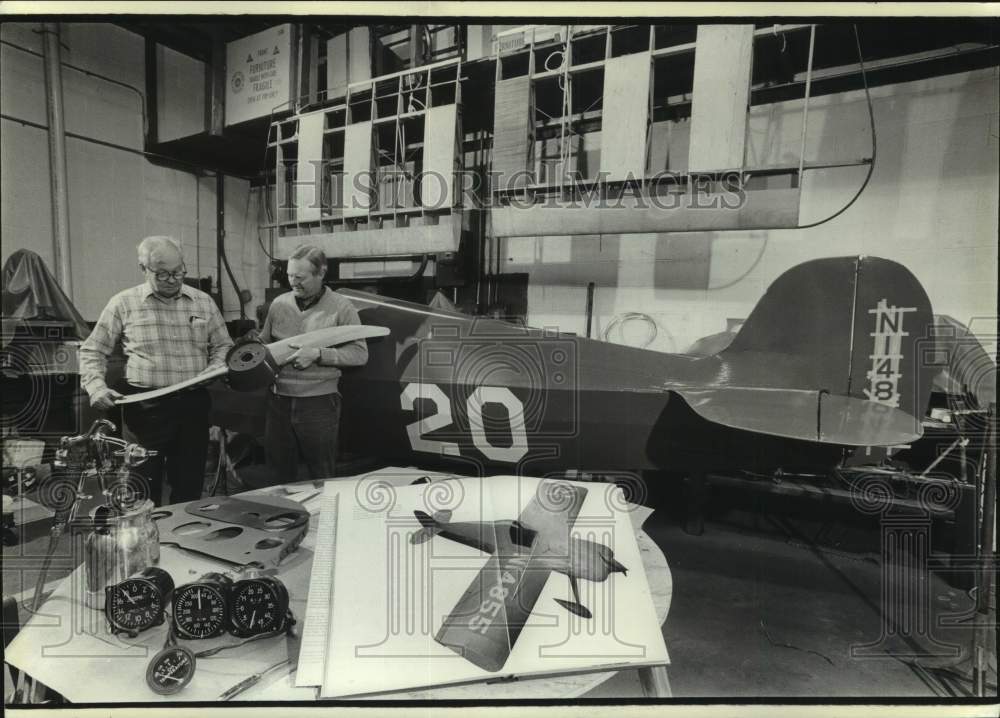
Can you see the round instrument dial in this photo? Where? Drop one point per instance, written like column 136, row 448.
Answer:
column 259, row 605
column 138, row 603
column 170, row 670
column 200, row 609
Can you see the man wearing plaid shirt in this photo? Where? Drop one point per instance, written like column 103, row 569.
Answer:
column 169, row 332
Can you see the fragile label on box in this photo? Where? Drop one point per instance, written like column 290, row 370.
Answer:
column 259, row 74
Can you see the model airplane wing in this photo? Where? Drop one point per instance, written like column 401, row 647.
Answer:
column 281, row 351
column 485, row 623
column 554, row 506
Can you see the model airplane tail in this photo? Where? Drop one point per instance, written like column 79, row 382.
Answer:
column 430, row 525
column 831, row 353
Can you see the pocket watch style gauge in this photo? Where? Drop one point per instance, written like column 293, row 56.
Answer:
column 201, row 608
column 258, row 605
column 138, row 603
column 170, row 670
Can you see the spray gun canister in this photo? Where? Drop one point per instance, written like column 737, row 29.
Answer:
column 125, row 539
column 120, row 545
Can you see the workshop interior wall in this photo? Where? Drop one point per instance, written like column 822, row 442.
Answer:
column 180, row 95
column 931, row 205
column 116, row 197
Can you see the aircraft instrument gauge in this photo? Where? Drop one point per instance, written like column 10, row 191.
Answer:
column 170, row 670
column 201, row 608
column 138, row 603
column 258, row 605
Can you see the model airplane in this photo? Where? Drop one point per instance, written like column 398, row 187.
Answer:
column 830, row 359
column 485, row 623
column 261, row 361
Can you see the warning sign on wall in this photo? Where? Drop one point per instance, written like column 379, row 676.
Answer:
column 259, row 69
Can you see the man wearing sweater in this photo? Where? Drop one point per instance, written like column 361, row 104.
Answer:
column 303, row 408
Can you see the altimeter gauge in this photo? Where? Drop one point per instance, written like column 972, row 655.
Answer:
column 138, row 602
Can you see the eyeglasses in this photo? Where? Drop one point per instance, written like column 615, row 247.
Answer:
column 164, row 276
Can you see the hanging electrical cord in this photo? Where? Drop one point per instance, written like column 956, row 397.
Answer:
column 552, row 54
column 565, row 121
column 418, row 83
column 267, row 254
column 242, row 295
column 566, row 109
column 746, row 273
column 620, row 320
column 871, row 119
column 871, row 167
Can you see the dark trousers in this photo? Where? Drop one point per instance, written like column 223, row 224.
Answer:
column 177, row 428
column 302, row 428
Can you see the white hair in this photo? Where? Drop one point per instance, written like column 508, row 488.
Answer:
column 151, row 244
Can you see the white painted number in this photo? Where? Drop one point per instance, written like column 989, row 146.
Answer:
column 515, row 416
column 442, row 418
column 887, row 353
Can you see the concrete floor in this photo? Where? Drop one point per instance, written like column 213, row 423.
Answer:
column 758, row 611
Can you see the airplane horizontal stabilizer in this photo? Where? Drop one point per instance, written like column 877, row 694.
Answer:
column 575, row 608
column 807, row 415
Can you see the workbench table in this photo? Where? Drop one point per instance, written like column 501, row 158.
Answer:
column 68, row 647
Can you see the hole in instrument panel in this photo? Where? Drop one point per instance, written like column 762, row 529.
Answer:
column 268, row 543
column 281, row 521
column 222, row 534
column 251, row 514
column 192, row 527
column 209, row 507
column 157, row 515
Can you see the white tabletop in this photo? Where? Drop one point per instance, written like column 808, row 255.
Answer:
column 69, row 648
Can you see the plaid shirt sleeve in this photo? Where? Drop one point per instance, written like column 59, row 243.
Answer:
column 219, row 340
column 94, row 352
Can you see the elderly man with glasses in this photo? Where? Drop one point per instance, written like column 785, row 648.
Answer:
column 169, row 332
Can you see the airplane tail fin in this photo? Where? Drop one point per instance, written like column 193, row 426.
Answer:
column 430, row 525
column 837, row 347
